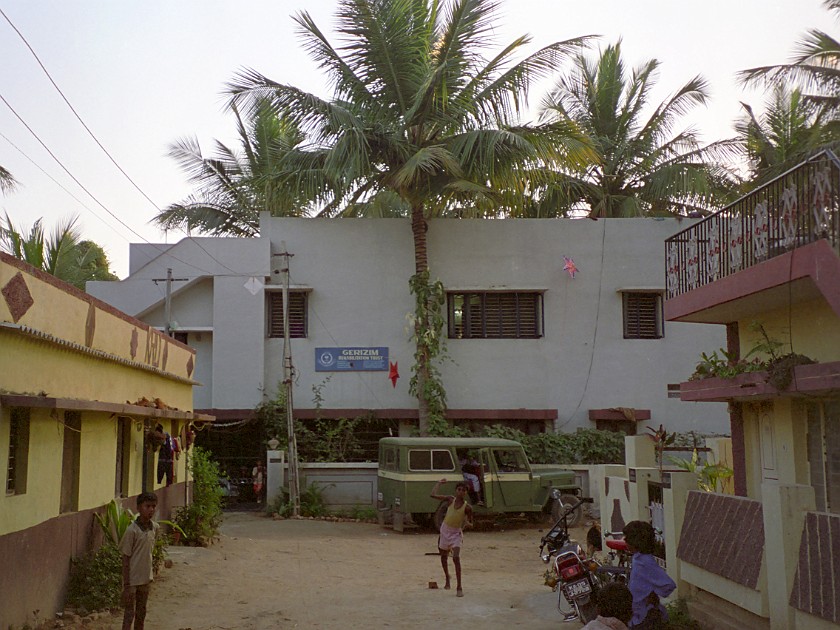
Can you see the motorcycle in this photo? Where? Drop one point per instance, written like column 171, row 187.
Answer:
column 571, row 572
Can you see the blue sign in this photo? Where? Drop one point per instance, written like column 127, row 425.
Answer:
column 351, row 359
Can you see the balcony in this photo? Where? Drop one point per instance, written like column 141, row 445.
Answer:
column 780, row 242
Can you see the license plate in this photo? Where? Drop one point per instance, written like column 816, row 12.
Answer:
column 576, row 589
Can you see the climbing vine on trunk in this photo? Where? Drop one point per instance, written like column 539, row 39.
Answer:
column 430, row 342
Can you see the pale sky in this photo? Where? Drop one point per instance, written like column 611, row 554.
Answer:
column 143, row 74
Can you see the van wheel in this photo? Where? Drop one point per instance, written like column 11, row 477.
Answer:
column 440, row 514
column 559, row 505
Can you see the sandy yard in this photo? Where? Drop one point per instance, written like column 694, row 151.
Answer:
column 265, row 573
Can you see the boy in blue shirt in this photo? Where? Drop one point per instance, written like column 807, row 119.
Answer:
column 648, row 581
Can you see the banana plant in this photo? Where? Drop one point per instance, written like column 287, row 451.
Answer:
column 116, row 519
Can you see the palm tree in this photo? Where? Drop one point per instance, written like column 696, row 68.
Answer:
column 420, row 116
column 62, row 253
column 791, row 128
column 815, row 68
column 7, row 182
column 643, row 167
column 233, row 188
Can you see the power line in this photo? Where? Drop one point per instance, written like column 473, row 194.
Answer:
column 60, row 185
column 72, row 109
column 99, row 144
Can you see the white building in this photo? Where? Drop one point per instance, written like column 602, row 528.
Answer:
column 529, row 345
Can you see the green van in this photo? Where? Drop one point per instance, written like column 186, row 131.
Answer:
column 409, row 468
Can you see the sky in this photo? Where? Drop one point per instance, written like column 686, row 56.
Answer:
column 142, row 75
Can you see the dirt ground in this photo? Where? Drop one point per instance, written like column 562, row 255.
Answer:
column 266, row 573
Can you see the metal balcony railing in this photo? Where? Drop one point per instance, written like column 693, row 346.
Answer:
column 797, row 208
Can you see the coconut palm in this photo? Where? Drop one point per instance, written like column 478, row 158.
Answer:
column 815, row 67
column 644, row 167
column 791, row 128
column 61, row 253
column 417, row 112
column 234, row 187
column 7, row 181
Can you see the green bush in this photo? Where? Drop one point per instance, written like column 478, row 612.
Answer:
column 312, row 503
column 584, row 446
column 200, row 519
column 96, row 580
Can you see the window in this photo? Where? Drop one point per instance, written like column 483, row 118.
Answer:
column 18, row 451
column 70, row 462
column 434, row 459
column 510, row 460
column 642, row 315
column 184, row 337
column 297, row 314
column 823, row 439
column 495, row 315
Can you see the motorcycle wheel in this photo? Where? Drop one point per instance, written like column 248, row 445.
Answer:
column 587, row 612
column 440, row 514
column 559, row 505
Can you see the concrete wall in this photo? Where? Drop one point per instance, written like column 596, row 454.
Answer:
column 357, row 271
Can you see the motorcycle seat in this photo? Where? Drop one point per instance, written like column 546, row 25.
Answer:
column 617, row 545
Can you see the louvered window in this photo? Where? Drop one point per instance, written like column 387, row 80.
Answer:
column 297, row 314
column 495, row 315
column 16, row 469
column 642, row 315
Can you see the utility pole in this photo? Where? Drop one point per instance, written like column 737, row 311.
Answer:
column 168, row 304
column 288, row 372
column 167, row 309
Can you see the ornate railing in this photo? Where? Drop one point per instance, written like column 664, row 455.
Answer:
column 796, row 208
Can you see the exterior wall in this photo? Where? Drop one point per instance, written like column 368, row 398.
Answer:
column 809, row 328
column 61, row 349
column 358, row 271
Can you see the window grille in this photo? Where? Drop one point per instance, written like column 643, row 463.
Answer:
column 18, row 451
column 642, row 315
column 495, row 315
column 298, row 321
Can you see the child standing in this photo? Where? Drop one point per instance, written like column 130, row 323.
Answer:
column 137, row 573
column 458, row 514
column 648, row 581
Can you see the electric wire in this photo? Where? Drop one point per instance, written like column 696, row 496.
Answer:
column 595, row 328
column 60, row 185
column 99, row 144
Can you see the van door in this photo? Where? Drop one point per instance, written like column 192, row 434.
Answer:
column 511, row 478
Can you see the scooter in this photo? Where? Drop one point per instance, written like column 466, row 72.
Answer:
column 571, row 572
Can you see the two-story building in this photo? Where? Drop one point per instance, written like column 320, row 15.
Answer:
column 767, row 268
column 530, row 342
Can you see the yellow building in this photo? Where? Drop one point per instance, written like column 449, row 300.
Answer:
column 82, row 389
column 768, row 268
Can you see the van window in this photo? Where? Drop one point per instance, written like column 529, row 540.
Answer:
column 510, row 460
column 430, row 459
column 391, row 459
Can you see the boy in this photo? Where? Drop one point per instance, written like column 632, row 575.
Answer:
column 648, row 581
column 458, row 514
column 137, row 573
column 615, row 607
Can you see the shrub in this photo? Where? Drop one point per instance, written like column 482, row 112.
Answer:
column 584, row 446
column 200, row 519
column 96, row 579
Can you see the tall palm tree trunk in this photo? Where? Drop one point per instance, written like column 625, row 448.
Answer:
column 421, row 322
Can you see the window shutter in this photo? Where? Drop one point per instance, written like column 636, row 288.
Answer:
column 642, row 317
column 496, row 315
column 297, row 314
